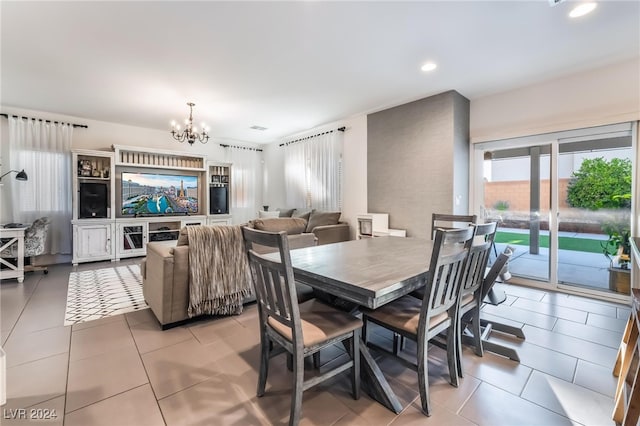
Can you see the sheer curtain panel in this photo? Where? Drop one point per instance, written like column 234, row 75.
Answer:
column 246, row 183
column 313, row 172
column 43, row 150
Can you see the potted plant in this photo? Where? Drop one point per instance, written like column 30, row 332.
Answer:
column 617, row 248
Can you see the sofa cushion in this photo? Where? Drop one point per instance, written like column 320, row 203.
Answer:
column 302, row 213
column 319, row 218
column 183, row 237
column 292, row 225
column 285, row 212
column 265, row 214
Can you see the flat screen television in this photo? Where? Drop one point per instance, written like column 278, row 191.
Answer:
column 146, row 194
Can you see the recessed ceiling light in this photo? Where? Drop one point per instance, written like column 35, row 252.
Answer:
column 258, row 128
column 582, row 10
column 429, row 66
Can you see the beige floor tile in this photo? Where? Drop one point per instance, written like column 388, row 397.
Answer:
column 538, row 357
column 48, row 413
column 551, row 310
column 135, row 407
column 4, row 335
column 174, row 368
column 149, row 336
column 37, row 381
column 588, row 333
column 521, row 315
column 501, row 372
column 440, row 416
column 39, row 315
column 596, row 377
column 213, row 401
column 496, row 319
column 138, row 317
column 623, row 313
column 608, row 323
column 216, row 329
column 571, row 346
column 352, row 419
column 583, row 304
column 102, row 376
column 96, row 323
column 490, row 406
column 27, row 347
column 567, row 399
column 521, row 291
column 97, row 340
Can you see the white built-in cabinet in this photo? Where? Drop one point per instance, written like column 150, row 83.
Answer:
column 102, row 232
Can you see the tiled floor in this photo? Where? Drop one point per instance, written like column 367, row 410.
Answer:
column 124, row 370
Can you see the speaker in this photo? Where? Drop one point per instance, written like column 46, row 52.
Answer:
column 218, row 200
column 93, row 200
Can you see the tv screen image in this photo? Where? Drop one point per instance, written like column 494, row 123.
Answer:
column 149, row 194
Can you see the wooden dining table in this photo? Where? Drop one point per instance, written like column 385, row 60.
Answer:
column 368, row 272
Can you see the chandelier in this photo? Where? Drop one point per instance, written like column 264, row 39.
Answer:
column 190, row 133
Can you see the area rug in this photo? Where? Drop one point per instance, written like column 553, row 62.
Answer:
column 103, row 293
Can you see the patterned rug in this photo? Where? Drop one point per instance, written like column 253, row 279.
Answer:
column 103, row 293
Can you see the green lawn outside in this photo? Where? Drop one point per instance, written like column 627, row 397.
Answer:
column 566, row 243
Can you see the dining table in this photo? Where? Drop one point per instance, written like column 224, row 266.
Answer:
column 369, row 273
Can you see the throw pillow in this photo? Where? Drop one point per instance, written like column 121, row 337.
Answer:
column 318, row 218
column 285, row 212
column 302, row 213
column 292, row 225
column 263, row 214
column 183, row 237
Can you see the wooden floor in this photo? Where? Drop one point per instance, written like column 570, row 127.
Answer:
column 124, row 370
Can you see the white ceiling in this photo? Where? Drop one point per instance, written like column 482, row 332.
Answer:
column 289, row 66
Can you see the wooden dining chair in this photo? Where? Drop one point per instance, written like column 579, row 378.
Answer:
column 450, row 221
column 471, row 294
column 299, row 329
column 422, row 320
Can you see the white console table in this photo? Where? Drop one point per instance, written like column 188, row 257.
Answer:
column 13, row 235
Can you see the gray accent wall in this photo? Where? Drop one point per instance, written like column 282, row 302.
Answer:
column 418, row 161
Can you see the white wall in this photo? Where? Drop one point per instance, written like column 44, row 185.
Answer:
column 101, row 135
column 601, row 96
column 354, row 167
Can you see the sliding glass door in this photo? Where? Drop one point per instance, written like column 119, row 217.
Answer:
column 563, row 203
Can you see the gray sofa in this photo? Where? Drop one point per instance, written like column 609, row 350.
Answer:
column 165, row 271
column 326, row 226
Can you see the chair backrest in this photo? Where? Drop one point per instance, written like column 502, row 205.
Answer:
column 273, row 281
column 450, row 221
column 478, row 258
column 446, row 269
column 495, row 270
column 35, row 237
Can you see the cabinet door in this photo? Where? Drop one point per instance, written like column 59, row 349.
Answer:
column 132, row 239
column 92, row 242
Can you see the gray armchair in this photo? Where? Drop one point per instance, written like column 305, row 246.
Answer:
column 35, row 237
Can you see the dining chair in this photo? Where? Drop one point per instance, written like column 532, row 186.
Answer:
column 422, row 319
column 471, row 290
column 299, row 329
column 450, row 221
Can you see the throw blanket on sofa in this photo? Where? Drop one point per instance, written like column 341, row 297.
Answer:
column 219, row 277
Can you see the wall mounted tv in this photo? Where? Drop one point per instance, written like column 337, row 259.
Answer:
column 146, row 194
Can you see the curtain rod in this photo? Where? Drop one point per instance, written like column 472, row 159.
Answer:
column 340, row 129
column 82, row 126
column 240, row 147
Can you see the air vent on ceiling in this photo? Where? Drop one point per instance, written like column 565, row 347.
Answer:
column 258, row 128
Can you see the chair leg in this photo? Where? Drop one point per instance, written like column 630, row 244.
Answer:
column 398, row 342
column 365, row 330
column 460, row 327
column 316, row 360
column 423, row 377
column 477, row 332
column 265, row 344
column 355, row 370
column 289, row 362
column 298, row 381
column 452, row 351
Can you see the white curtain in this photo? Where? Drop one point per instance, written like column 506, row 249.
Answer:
column 246, row 183
column 313, row 172
column 43, row 150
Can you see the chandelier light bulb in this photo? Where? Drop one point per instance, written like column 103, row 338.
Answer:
column 190, row 133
